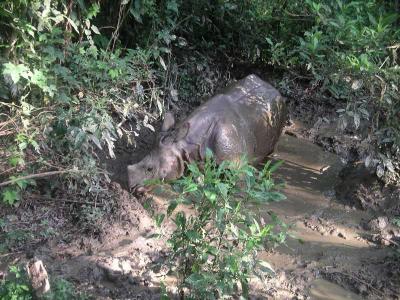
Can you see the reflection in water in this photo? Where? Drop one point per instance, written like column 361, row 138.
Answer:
column 324, row 290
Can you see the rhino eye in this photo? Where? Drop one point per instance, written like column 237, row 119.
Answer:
column 149, row 169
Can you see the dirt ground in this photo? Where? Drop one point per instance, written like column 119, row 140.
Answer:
column 342, row 244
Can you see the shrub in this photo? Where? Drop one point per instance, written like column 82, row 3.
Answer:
column 214, row 251
column 65, row 96
column 17, row 287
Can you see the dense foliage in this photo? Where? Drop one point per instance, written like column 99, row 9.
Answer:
column 17, row 287
column 214, row 249
column 78, row 74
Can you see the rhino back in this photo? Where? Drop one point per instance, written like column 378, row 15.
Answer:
column 251, row 107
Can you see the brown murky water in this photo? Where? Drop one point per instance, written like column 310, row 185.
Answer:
column 326, row 234
column 324, row 290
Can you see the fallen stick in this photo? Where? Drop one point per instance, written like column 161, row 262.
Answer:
column 39, row 175
column 359, row 280
column 66, row 201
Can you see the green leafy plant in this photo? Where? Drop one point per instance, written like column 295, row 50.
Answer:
column 16, row 287
column 65, row 96
column 396, row 221
column 214, row 251
column 62, row 289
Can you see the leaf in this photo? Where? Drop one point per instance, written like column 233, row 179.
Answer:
column 39, row 78
column 162, row 62
column 146, row 124
column 194, row 278
column 17, row 160
column 193, row 168
column 211, row 196
column 342, row 124
column 357, row 84
column 276, row 196
column 159, row 219
column 159, row 106
column 136, row 14
column 15, row 71
column 192, row 235
column 154, row 236
column 172, row 207
column 223, row 189
column 95, row 29
column 22, row 183
column 96, row 141
column 235, row 230
column 389, row 165
column 209, row 154
column 173, row 6
column 356, row 120
column 275, row 166
column 180, row 220
column 10, row 196
column 73, row 24
column 364, row 112
column 93, row 10
column 380, row 171
column 190, row 188
column 265, row 267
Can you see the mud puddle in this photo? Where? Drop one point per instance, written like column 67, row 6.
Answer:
column 327, row 257
column 325, row 290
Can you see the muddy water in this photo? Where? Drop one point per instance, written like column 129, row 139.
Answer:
column 325, row 290
column 326, row 234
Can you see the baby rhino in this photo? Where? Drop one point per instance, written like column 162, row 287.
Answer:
column 244, row 119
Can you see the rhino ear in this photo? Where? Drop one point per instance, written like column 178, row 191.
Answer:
column 182, row 132
column 169, row 122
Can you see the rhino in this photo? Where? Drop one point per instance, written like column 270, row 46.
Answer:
column 246, row 118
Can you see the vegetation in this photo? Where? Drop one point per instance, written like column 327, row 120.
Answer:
column 76, row 74
column 17, row 287
column 214, row 250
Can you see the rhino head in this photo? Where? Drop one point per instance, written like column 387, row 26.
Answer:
column 164, row 161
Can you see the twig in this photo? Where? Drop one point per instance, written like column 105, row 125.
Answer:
column 121, row 19
column 45, row 174
column 7, row 171
column 391, row 242
column 6, row 132
column 68, row 201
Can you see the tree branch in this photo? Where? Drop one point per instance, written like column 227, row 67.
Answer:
column 39, row 175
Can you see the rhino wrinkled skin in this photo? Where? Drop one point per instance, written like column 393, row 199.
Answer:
column 245, row 118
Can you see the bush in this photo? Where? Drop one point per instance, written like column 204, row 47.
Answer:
column 64, row 96
column 17, row 287
column 214, row 251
